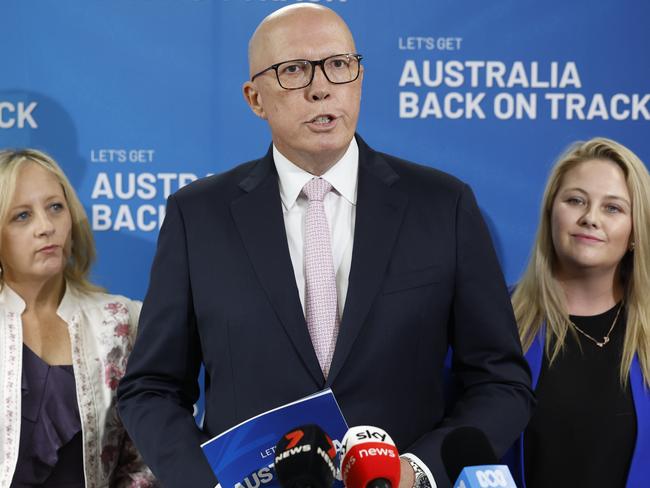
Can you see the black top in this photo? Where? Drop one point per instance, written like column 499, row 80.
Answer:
column 50, row 454
column 584, row 428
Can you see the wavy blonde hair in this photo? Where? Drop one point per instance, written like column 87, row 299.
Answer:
column 83, row 250
column 539, row 299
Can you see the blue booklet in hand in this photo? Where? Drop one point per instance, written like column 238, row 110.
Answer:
column 243, row 456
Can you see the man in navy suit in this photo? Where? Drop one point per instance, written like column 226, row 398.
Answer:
column 414, row 270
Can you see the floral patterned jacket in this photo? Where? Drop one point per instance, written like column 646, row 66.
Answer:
column 102, row 331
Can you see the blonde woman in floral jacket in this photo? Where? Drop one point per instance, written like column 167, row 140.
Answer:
column 63, row 342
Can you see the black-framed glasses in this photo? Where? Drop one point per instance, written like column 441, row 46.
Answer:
column 299, row 73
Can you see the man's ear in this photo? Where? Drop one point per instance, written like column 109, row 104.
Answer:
column 254, row 99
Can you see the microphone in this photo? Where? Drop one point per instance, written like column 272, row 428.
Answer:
column 469, row 459
column 305, row 457
column 369, row 459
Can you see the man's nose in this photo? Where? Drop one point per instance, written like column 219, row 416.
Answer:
column 319, row 89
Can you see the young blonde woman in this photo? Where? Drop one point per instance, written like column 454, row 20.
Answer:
column 63, row 342
column 583, row 311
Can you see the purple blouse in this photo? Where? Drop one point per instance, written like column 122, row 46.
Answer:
column 50, row 454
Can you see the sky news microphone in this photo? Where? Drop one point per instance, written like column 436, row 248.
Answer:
column 469, row 459
column 369, row 459
column 305, row 457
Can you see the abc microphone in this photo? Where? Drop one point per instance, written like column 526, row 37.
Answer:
column 305, row 457
column 369, row 459
column 469, row 459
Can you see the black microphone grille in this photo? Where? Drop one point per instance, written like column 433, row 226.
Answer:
column 305, row 457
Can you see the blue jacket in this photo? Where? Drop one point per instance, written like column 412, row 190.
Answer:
column 640, row 466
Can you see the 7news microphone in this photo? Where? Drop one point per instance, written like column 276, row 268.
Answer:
column 369, row 459
column 469, row 459
column 305, row 457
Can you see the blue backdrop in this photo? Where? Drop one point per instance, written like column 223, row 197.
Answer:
column 136, row 98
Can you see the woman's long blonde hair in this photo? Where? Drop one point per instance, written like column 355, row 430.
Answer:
column 83, row 249
column 538, row 299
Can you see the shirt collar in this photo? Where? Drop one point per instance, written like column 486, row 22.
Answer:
column 69, row 303
column 11, row 301
column 342, row 176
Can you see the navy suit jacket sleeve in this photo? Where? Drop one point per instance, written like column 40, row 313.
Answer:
column 492, row 380
column 157, row 394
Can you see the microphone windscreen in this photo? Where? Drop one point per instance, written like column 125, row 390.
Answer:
column 369, row 458
column 465, row 446
column 305, row 457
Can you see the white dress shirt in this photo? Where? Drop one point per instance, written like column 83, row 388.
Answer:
column 340, row 210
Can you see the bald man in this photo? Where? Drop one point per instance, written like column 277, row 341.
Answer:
column 322, row 264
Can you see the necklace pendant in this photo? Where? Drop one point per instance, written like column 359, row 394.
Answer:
column 605, row 341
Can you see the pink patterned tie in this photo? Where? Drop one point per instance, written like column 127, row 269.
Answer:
column 321, row 307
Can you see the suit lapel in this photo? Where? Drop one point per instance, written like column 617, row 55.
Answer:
column 258, row 217
column 379, row 213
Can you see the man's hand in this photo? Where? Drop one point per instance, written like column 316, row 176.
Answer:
column 407, row 475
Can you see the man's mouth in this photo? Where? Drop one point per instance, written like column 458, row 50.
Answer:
column 322, row 119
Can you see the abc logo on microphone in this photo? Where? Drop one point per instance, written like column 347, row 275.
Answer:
column 491, row 476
